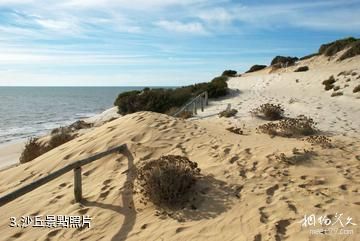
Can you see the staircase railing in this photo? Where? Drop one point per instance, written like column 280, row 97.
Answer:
column 75, row 166
column 200, row 100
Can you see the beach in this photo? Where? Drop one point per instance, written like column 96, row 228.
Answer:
column 10, row 153
column 253, row 186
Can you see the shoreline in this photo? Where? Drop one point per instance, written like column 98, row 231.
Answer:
column 10, row 151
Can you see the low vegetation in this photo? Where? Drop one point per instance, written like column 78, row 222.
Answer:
column 290, row 127
column 269, row 111
column 33, row 149
column 329, row 83
column 235, row 130
column 163, row 100
column 256, row 67
column 229, row 73
column 337, row 94
column 356, row 89
column 297, row 156
column 167, row 180
column 185, row 114
column 228, row 113
column 322, row 141
column 336, row 88
column 302, row 69
column 282, row 60
column 61, row 137
column 309, row 56
column 332, row 48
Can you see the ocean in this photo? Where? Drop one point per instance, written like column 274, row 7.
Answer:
column 32, row 111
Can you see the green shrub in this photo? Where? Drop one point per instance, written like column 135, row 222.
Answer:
column 217, row 87
column 256, row 67
column 309, row 56
column 356, row 89
column 281, row 60
column 163, row 100
column 167, row 180
column 353, row 50
column 336, row 88
column 332, row 48
column 229, row 73
column 32, row 150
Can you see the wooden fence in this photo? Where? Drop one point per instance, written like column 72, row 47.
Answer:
column 75, row 166
column 201, row 101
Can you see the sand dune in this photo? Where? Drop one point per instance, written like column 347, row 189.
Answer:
column 245, row 193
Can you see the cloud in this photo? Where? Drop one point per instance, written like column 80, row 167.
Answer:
column 318, row 15
column 179, row 27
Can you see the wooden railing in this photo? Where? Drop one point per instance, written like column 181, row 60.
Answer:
column 75, row 166
column 199, row 101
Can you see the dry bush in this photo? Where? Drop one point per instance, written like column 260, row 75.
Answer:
column 302, row 69
column 235, row 130
column 185, row 114
column 228, row 113
column 167, row 180
column 356, row 89
column 322, row 141
column 32, row 150
column 329, row 83
column 337, row 94
column 62, row 136
column 353, row 50
column 291, row 127
column 297, row 157
column 269, row 111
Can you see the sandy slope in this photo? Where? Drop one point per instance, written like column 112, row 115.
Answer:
column 245, row 192
column 334, row 114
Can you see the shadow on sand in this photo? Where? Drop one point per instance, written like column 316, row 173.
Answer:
column 127, row 199
column 210, row 198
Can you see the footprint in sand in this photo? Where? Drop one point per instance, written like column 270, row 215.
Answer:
column 83, row 211
column 292, row 207
column 52, row 233
column 180, row 229
column 281, row 227
column 257, row 237
column 17, row 235
column 270, row 192
column 263, row 216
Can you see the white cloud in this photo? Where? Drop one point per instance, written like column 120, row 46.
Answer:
column 322, row 15
column 179, row 27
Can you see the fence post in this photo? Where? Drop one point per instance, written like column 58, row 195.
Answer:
column 77, row 184
column 202, row 103
column 194, row 108
column 206, row 98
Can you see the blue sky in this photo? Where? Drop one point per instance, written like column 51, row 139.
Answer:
column 158, row 42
